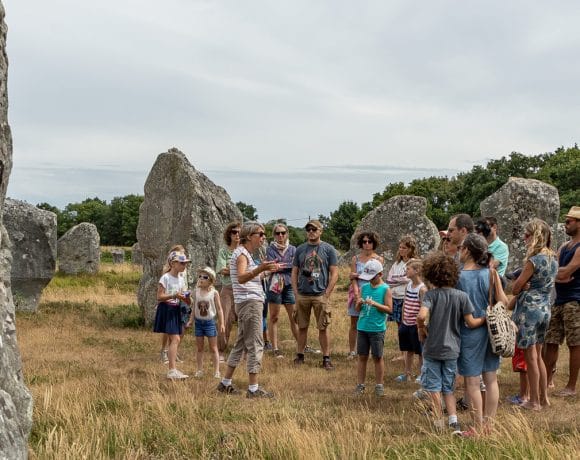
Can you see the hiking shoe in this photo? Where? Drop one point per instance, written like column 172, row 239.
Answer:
column 516, row 400
column 259, row 393
column 359, row 389
column 351, row 355
column 198, row 374
column 278, row 353
column 164, row 357
column 267, row 346
column 228, row 389
column 174, row 374
column 379, row 390
column 299, row 360
column 308, row 349
column 217, row 375
column 455, row 428
column 327, row 365
column 401, row 378
column 461, row 404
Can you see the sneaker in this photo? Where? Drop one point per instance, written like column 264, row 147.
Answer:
column 267, row 346
column 359, row 389
column 278, row 353
column 401, row 378
column 379, row 390
column 516, row 400
column 228, row 389
column 455, row 428
column 327, row 365
column 174, row 374
column 308, row 349
column 351, row 355
column 217, row 375
column 299, row 360
column 461, row 404
column 178, row 359
column 259, row 393
column 164, row 357
column 198, row 374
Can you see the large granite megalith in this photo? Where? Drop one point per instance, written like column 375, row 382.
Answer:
column 79, row 250
column 395, row 217
column 514, row 204
column 32, row 232
column 181, row 206
column 15, row 399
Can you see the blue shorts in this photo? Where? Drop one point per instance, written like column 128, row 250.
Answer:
column 205, row 328
column 373, row 341
column 286, row 297
column 409, row 339
column 438, row 376
column 397, row 311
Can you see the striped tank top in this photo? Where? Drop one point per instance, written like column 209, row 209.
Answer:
column 252, row 290
column 412, row 304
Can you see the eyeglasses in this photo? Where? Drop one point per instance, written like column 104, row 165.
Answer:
column 235, row 232
column 280, row 233
column 311, row 229
column 366, row 241
column 203, row 277
column 259, row 233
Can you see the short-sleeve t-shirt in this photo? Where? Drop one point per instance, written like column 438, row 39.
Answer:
column 371, row 319
column 447, row 307
column 313, row 262
column 500, row 252
column 172, row 285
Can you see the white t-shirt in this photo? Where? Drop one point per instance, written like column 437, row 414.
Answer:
column 173, row 285
column 204, row 307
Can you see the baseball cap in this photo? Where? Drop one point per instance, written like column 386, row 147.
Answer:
column 371, row 269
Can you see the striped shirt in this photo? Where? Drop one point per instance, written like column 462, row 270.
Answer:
column 412, row 304
column 252, row 290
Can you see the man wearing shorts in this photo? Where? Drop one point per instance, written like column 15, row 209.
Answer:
column 565, row 320
column 314, row 275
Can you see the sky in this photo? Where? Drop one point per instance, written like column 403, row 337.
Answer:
column 292, row 107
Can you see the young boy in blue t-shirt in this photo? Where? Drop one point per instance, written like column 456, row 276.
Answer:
column 374, row 304
column 445, row 308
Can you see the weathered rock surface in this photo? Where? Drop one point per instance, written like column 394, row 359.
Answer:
column 136, row 254
column 118, row 256
column 397, row 216
column 32, row 232
column 15, row 399
column 181, row 206
column 514, row 204
column 79, row 250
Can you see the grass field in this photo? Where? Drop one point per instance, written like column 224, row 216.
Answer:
column 100, row 392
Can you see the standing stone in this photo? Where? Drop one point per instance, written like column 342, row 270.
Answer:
column 79, row 250
column 514, row 205
column 136, row 254
column 32, row 232
column 181, row 206
column 118, row 256
column 398, row 216
column 15, row 399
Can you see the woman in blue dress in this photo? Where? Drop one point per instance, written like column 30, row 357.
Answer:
column 476, row 357
column 532, row 313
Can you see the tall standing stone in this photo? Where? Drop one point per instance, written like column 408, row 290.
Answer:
column 15, row 399
column 32, row 233
column 181, row 206
column 79, row 250
column 398, row 216
column 514, row 204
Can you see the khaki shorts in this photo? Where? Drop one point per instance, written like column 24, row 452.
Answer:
column 304, row 306
column 565, row 323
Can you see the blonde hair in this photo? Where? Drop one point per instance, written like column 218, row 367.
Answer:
column 540, row 238
column 411, row 243
column 415, row 264
column 277, row 225
column 167, row 266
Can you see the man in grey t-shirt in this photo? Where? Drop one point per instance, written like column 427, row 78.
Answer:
column 314, row 275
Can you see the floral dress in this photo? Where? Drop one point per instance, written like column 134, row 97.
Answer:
column 532, row 313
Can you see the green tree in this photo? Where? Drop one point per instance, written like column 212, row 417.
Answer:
column 248, row 211
column 343, row 222
column 122, row 218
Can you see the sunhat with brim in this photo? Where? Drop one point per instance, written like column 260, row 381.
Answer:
column 574, row 212
column 207, row 270
column 371, row 269
column 177, row 256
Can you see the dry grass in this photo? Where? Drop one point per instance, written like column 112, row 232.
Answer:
column 100, row 392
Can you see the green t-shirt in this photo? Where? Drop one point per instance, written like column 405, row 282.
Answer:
column 371, row 319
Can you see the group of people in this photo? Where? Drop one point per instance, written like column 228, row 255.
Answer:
column 438, row 303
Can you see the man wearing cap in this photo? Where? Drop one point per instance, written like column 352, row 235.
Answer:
column 565, row 320
column 314, row 275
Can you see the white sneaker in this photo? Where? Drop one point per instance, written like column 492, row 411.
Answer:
column 174, row 374
column 351, row 355
column 198, row 374
column 217, row 375
column 164, row 357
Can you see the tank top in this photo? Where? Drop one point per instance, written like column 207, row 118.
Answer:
column 252, row 290
column 412, row 304
column 568, row 292
column 204, row 304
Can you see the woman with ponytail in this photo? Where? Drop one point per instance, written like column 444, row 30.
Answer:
column 476, row 357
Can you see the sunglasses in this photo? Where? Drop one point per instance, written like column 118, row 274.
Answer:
column 259, row 233
column 203, row 277
column 366, row 241
column 235, row 232
column 280, row 233
column 311, row 229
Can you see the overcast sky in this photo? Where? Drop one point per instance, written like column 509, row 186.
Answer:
column 291, row 106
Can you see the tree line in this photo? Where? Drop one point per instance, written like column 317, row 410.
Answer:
column 117, row 221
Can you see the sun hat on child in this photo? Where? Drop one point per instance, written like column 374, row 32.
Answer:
column 178, row 256
column 207, row 270
column 371, row 269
